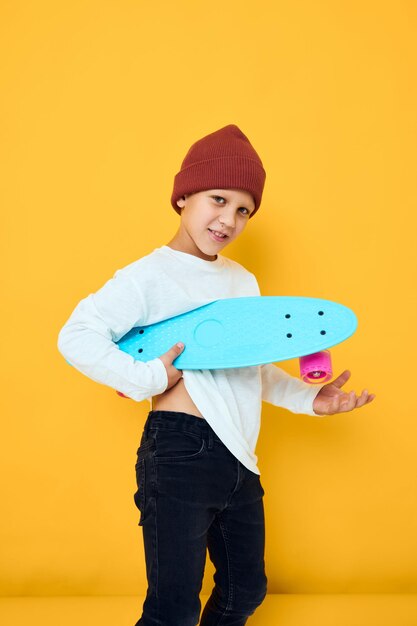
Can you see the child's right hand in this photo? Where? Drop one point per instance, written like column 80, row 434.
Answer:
column 174, row 375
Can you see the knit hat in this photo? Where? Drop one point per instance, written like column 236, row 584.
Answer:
column 224, row 159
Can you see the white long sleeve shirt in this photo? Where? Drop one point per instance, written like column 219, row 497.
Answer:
column 158, row 286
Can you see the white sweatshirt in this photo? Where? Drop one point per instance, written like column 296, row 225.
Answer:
column 160, row 285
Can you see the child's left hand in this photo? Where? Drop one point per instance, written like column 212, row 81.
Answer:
column 331, row 399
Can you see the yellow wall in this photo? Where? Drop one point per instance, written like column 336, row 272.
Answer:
column 100, row 101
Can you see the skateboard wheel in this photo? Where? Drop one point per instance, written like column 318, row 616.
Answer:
column 316, row 368
column 122, row 395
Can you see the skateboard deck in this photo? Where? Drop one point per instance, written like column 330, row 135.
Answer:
column 242, row 332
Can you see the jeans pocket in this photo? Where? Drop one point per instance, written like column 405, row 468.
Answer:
column 173, row 446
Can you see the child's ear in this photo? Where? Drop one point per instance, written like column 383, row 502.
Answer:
column 182, row 200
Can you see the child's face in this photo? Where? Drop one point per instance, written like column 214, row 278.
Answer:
column 212, row 219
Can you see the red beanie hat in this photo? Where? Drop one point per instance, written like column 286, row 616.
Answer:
column 224, row 159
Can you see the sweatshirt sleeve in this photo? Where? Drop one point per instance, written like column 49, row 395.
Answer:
column 87, row 340
column 283, row 390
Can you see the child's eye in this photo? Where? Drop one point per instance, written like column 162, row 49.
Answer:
column 242, row 209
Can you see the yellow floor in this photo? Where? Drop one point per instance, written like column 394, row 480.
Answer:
column 276, row 610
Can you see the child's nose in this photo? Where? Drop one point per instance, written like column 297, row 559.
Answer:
column 227, row 219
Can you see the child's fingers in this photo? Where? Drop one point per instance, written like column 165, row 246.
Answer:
column 366, row 398
column 349, row 401
column 363, row 398
column 342, row 379
column 172, row 353
column 176, row 350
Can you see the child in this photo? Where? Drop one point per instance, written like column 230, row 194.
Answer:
column 198, row 482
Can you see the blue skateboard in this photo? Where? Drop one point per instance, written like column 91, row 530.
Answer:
column 242, row 332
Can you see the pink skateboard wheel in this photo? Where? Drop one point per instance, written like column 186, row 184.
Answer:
column 316, row 368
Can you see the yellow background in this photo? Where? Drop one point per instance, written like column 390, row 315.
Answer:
column 100, row 100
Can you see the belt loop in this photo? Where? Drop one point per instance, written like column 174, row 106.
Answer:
column 147, row 423
column 210, row 439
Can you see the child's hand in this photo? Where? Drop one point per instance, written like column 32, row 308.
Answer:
column 173, row 374
column 331, row 399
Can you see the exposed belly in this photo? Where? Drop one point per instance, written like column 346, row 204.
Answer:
column 175, row 399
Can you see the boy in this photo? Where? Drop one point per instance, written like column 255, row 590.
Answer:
column 198, row 482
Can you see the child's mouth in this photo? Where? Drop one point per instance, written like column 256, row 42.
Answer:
column 216, row 235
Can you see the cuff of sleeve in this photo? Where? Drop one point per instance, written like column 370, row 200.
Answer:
column 161, row 376
column 312, row 391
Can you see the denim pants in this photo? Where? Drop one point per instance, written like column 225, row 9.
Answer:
column 193, row 494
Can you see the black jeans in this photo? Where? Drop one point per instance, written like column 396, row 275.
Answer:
column 194, row 494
